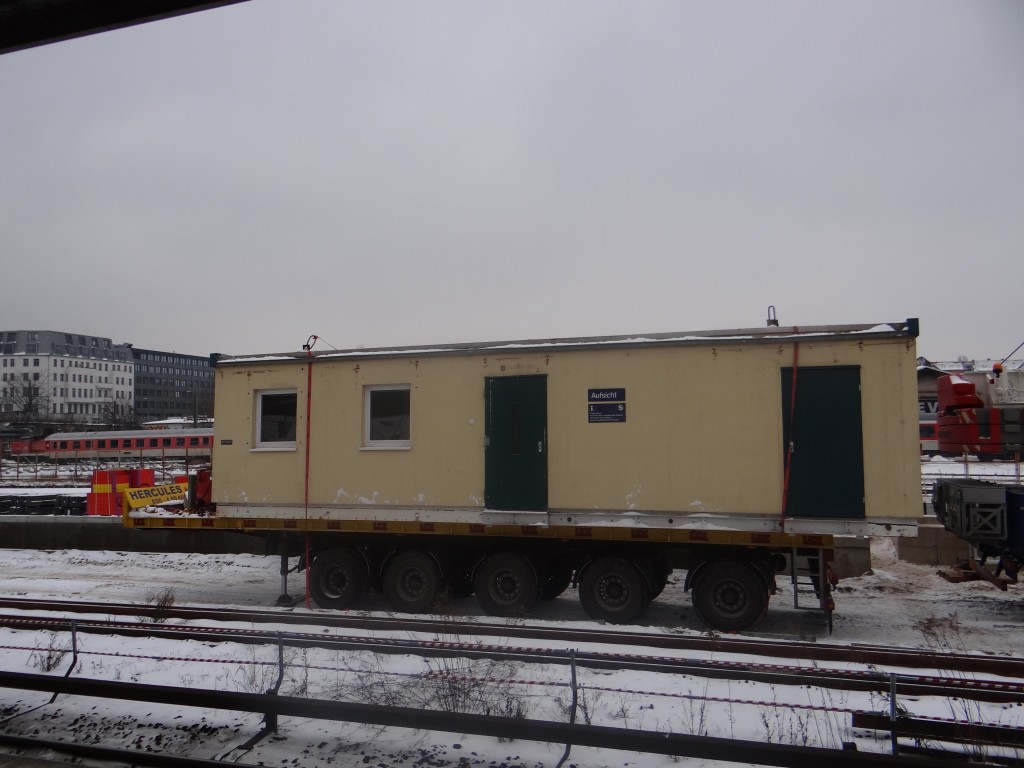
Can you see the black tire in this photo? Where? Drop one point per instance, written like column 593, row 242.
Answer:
column 656, row 572
column 730, row 596
column 506, row 584
column 557, row 581
column 614, row 590
column 338, row 579
column 460, row 583
column 412, row 582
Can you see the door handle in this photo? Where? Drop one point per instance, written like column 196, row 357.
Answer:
column 540, row 446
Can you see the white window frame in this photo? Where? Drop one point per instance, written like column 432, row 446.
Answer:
column 273, row 445
column 370, row 444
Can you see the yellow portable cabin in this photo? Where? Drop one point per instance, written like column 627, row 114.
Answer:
column 514, row 468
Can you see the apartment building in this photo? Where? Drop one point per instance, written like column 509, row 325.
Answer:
column 68, row 379
column 53, row 376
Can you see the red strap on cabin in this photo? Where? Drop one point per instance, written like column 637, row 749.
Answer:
column 309, row 409
column 792, row 419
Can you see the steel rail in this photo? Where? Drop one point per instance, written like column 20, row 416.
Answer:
column 835, row 679
column 942, row 730
column 601, row 737
column 1005, row 666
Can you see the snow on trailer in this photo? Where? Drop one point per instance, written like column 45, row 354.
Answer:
column 513, row 469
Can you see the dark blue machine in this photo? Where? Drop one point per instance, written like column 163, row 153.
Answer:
column 1015, row 521
column 987, row 515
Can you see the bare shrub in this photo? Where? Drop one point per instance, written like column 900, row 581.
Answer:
column 586, row 703
column 695, row 712
column 253, row 675
column 161, row 601
column 50, row 656
column 449, row 684
column 944, row 636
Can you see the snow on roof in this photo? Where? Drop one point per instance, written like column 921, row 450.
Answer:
column 756, row 335
column 176, row 421
column 982, row 366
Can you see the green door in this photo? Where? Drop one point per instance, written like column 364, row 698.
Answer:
column 826, row 477
column 516, row 445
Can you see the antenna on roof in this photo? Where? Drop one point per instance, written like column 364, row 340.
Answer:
column 1012, row 353
column 313, row 339
column 772, row 320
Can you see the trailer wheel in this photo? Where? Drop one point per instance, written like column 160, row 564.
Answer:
column 506, row 584
column 656, row 571
column 338, row 579
column 614, row 590
column 556, row 583
column 460, row 583
column 730, row 595
column 412, row 582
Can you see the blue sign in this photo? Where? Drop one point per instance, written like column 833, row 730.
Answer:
column 606, row 395
column 605, row 413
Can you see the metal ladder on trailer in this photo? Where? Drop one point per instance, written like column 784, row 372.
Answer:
column 811, row 575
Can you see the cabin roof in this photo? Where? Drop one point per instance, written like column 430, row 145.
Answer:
column 770, row 335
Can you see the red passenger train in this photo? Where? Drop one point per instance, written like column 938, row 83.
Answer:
column 119, row 444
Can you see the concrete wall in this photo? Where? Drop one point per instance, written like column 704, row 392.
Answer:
column 852, row 557
column 934, row 545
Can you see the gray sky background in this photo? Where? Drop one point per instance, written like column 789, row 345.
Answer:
column 383, row 173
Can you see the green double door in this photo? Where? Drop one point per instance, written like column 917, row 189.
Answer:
column 826, row 477
column 516, row 445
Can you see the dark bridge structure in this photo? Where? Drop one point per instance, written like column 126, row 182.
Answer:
column 30, row 23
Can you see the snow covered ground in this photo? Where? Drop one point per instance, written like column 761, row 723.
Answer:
column 1002, row 471
column 897, row 603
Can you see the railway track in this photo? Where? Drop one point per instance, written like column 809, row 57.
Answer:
column 405, row 635
column 608, row 650
column 502, row 728
column 943, row 685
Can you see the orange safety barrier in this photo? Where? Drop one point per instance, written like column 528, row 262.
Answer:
column 108, row 487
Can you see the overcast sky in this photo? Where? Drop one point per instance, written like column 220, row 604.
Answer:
column 381, row 173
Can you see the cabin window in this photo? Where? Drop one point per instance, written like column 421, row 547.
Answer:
column 386, row 417
column 276, row 416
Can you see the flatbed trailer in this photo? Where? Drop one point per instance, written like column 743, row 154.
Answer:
column 514, row 469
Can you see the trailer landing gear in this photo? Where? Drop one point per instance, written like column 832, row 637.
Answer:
column 284, row 599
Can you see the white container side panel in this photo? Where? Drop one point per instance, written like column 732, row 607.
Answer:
column 702, row 433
